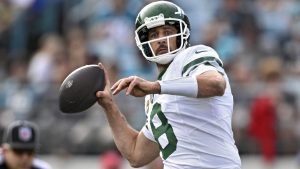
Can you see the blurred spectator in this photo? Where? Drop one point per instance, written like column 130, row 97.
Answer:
column 42, row 64
column 274, row 33
column 20, row 144
column 195, row 8
column 76, row 48
column 6, row 18
column 263, row 111
column 279, row 9
column 232, row 16
column 243, row 89
column 6, row 15
column 291, row 48
column 17, row 97
column 19, row 30
column 111, row 37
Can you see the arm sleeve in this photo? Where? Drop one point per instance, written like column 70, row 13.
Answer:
column 206, row 67
column 201, row 59
column 147, row 133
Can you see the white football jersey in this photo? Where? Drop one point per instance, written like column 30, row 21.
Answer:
column 193, row 133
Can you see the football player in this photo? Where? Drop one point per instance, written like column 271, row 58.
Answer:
column 189, row 107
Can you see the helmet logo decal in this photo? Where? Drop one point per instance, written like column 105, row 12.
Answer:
column 179, row 12
column 154, row 21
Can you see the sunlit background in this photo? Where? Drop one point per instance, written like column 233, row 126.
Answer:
column 42, row 41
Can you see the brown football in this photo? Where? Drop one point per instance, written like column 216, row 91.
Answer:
column 78, row 91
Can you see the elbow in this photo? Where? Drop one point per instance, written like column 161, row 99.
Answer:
column 214, row 84
column 220, row 92
column 220, row 88
column 135, row 164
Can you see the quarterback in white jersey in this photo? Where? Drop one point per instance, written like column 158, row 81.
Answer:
column 189, row 107
column 194, row 132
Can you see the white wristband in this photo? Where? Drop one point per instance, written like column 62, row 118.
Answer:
column 186, row 86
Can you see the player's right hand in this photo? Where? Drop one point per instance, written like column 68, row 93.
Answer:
column 105, row 97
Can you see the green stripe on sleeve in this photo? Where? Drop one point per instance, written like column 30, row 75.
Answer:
column 161, row 74
column 199, row 61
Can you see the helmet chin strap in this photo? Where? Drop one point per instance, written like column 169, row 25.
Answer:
column 170, row 55
column 164, row 58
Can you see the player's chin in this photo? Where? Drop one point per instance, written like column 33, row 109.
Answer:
column 161, row 52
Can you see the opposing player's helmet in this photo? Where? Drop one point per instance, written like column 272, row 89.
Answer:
column 157, row 14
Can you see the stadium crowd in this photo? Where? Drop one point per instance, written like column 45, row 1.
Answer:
column 42, row 41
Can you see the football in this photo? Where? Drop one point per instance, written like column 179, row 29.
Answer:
column 78, row 91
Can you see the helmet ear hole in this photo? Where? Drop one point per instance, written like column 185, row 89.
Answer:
column 147, row 50
column 143, row 34
column 178, row 41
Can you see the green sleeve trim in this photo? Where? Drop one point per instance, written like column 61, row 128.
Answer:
column 161, row 74
column 199, row 61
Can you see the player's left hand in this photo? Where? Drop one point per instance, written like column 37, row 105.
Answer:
column 135, row 86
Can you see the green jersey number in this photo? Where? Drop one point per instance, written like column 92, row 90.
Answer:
column 165, row 129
